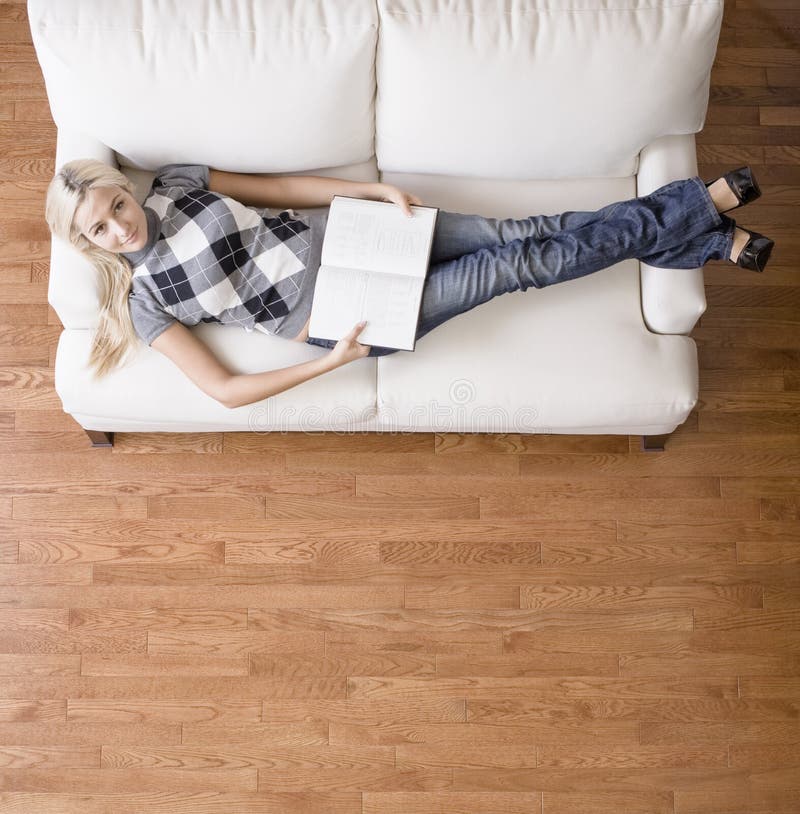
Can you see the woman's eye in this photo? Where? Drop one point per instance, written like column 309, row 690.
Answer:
column 120, row 205
column 99, row 231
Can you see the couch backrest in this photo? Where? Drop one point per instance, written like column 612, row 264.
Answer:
column 242, row 85
column 538, row 88
column 493, row 88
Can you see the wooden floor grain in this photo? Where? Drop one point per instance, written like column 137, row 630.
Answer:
column 413, row 624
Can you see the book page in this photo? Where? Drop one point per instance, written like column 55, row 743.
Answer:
column 389, row 304
column 338, row 301
column 377, row 236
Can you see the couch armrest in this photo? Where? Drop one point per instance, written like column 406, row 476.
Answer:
column 672, row 299
column 71, row 145
column 72, row 287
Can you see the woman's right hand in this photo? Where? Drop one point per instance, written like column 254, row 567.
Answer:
column 348, row 348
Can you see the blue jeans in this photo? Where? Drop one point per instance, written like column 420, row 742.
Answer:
column 474, row 259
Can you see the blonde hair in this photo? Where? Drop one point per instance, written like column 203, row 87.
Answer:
column 115, row 335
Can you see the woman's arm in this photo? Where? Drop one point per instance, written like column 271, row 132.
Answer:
column 301, row 191
column 232, row 390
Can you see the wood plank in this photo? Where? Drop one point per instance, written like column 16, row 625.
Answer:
column 519, row 444
column 761, row 552
column 187, row 621
column 109, row 780
column 385, row 664
column 205, row 507
column 531, row 488
column 58, row 732
column 543, row 663
column 623, row 780
column 45, row 482
column 399, row 507
column 623, row 508
column 367, row 713
column 565, row 731
column 436, row 802
column 338, row 622
column 86, row 691
column 603, row 802
column 665, row 646
column 742, row 381
column 59, row 642
column 685, row 659
column 95, row 506
column 781, row 797
column 241, row 756
column 357, row 780
column 736, row 731
column 23, row 709
column 231, row 643
column 473, row 644
column 448, row 597
column 29, row 110
column 249, row 731
column 359, row 463
column 645, row 757
column 44, row 665
column 747, row 460
column 91, row 713
column 49, row 757
column 745, row 620
column 87, row 541
column 781, row 508
column 635, row 597
column 464, row 756
column 97, row 665
column 184, row 802
column 546, row 689
column 336, row 443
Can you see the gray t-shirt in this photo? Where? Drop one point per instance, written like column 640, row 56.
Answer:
column 209, row 258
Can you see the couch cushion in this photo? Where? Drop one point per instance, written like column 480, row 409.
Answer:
column 246, row 86
column 573, row 357
column 150, row 393
column 538, row 88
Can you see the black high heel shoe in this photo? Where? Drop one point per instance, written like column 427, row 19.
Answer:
column 743, row 184
column 755, row 254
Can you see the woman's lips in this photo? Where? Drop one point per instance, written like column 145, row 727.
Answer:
column 131, row 238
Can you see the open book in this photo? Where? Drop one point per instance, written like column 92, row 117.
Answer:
column 373, row 266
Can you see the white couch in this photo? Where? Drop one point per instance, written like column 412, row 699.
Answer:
column 500, row 107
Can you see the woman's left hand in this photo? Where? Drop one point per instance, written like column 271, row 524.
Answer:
column 392, row 194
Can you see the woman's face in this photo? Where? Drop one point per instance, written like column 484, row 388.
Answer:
column 112, row 219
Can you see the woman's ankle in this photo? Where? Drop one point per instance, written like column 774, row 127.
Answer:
column 740, row 239
column 722, row 195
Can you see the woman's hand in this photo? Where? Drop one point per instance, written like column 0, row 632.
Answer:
column 348, row 348
column 392, row 194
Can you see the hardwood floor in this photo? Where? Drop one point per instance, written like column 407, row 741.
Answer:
column 469, row 624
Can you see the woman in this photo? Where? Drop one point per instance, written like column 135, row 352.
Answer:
column 202, row 248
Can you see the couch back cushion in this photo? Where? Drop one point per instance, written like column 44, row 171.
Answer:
column 538, row 88
column 241, row 85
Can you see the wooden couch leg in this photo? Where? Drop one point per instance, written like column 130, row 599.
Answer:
column 100, row 438
column 654, row 443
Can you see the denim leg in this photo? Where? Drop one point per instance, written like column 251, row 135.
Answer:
column 716, row 244
column 457, row 234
